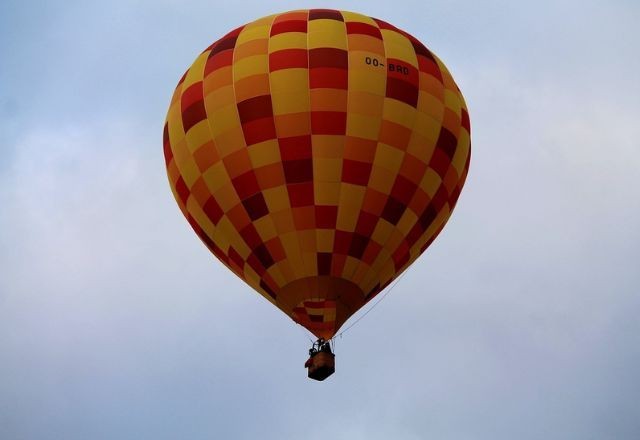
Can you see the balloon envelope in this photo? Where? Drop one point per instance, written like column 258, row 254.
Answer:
column 317, row 154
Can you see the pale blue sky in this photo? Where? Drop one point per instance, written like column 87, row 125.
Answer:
column 521, row 321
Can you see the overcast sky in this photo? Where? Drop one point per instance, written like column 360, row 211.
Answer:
column 520, row 322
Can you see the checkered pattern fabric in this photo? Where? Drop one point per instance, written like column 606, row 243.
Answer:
column 317, row 154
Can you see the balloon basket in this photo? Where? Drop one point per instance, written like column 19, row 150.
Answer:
column 321, row 365
column 322, row 362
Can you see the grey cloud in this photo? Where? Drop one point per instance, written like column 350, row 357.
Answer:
column 519, row 322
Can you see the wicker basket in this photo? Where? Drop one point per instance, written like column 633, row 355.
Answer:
column 323, row 365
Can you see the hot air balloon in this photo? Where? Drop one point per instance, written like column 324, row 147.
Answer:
column 317, row 153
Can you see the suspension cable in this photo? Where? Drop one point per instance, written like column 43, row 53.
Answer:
column 384, row 295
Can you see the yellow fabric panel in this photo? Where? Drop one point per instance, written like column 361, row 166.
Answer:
column 327, row 170
column 195, row 72
column 365, row 103
column 289, row 102
column 198, row 135
column 185, row 163
column 350, row 266
column 174, row 118
column 283, row 221
column 250, row 66
column 324, row 239
column 327, row 33
column 383, row 257
column 327, row 192
column 399, row 112
column 224, row 120
column 266, row 228
column 350, row 201
column 430, row 105
column 394, row 239
column 359, row 273
column 408, row 219
column 427, row 126
column 277, row 275
column 420, row 147
column 264, row 153
column 381, row 178
column 388, row 157
column 397, row 46
column 362, row 126
column 253, row 279
column 255, row 31
column 294, row 255
column 452, row 101
column 430, row 182
column 277, row 199
column 462, row 151
column 222, row 234
column 284, row 267
column 382, row 232
column 226, row 197
column 354, row 16
column 387, row 272
column 288, row 40
column 295, row 80
column 369, row 281
column 366, row 79
column 290, row 91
